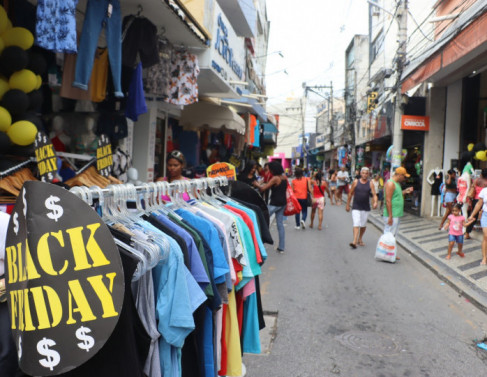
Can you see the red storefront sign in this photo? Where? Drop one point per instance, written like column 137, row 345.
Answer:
column 415, row 123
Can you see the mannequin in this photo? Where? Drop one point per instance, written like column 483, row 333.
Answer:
column 435, row 179
column 87, row 142
column 133, row 177
column 463, row 186
column 58, row 136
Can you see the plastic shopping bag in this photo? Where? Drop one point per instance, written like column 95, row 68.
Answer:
column 386, row 248
column 292, row 205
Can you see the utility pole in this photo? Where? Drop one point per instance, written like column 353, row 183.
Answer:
column 402, row 12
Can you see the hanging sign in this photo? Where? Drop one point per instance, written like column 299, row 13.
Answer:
column 64, row 280
column 222, row 169
column 104, row 158
column 415, row 123
column 46, row 157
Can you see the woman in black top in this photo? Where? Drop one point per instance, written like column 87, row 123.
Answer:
column 277, row 203
column 247, row 175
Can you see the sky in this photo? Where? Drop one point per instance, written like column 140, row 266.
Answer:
column 312, row 36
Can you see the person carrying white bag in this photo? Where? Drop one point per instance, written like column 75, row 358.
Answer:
column 386, row 248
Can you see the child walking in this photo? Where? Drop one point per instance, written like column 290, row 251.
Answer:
column 455, row 224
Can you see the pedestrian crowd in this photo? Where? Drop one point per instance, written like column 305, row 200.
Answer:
column 464, row 203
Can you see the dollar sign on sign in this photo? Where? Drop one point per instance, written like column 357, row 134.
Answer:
column 24, row 201
column 87, row 341
column 20, row 348
column 57, row 210
column 16, row 223
column 52, row 357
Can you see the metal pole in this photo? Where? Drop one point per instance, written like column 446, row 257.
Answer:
column 401, row 57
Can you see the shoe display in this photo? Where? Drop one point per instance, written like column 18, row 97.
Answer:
column 303, row 224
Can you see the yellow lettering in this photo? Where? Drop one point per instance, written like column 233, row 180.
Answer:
column 20, row 263
column 44, row 254
column 13, row 273
column 104, row 294
column 50, row 151
column 14, row 308
column 52, row 164
column 38, row 154
column 99, row 152
column 83, row 307
column 28, row 325
column 41, row 308
column 92, row 248
column 42, row 167
column 29, row 264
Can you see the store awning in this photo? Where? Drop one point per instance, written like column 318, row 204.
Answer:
column 269, row 127
column 202, row 115
column 462, row 41
column 251, row 105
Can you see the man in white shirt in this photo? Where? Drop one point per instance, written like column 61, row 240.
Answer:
column 342, row 183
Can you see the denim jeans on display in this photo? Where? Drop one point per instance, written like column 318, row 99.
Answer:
column 279, row 211
column 304, row 211
column 96, row 17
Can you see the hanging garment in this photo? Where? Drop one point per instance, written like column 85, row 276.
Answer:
column 56, row 25
column 157, row 79
column 139, row 37
column 96, row 17
column 136, row 99
column 184, row 76
column 99, row 75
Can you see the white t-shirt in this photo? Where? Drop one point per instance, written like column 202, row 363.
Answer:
column 4, row 219
column 483, row 196
column 342, row 178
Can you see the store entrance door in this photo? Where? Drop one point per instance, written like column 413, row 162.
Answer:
column 413, row 143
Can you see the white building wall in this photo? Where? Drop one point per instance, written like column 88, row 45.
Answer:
column 452, row 124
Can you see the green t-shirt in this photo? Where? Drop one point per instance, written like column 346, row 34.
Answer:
column 397, row 202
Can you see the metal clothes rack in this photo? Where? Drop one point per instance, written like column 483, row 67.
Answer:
column 16, row 167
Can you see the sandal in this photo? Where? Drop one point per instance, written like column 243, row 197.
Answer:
column 361, row 243
column 352, row 245
column 467, row 236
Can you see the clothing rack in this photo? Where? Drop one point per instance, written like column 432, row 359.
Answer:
column 16, row 167
column 154, row 188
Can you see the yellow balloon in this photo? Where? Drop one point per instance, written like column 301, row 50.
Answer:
column 22, row 133
column 24, row 80
column 39, row 81
column 5, row 119
column 481, row 155
column 18, row 36
column 4, row 87
column 470, row 147
column 4, row 21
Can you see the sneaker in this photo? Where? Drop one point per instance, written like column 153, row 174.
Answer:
column 303, row 224
column 280, row 251
column 297, row 227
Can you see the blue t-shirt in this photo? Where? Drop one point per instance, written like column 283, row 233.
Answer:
column 196, row 264
column 210, row 234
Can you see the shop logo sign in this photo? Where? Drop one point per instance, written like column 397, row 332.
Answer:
column 223, row 47
column 415, row 123
column 64, row 280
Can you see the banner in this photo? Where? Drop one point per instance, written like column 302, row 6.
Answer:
column 64, row 280
column 222, row 169
column 104, row 159
column 46, row 157
column 415, row 123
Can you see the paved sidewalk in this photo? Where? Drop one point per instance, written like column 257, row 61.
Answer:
column 421, row 238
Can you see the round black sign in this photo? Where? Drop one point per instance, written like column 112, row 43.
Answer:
column 64, row 277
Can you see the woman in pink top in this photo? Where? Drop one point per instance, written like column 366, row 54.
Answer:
column 174, row 164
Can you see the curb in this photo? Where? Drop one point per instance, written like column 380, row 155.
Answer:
column 459, row 283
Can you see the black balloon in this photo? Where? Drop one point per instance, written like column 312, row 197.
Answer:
column 5, row 143
column 33, row 118
column 479, row 147
column 35, row 98
column 37, row 63
column 16, row 102
column 13, row 59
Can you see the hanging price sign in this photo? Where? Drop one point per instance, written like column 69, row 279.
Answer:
column 104, row 159
column 46, row 157
column 222, row 169
column 64, row 280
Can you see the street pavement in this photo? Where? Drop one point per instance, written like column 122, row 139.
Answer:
column 334, row 311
